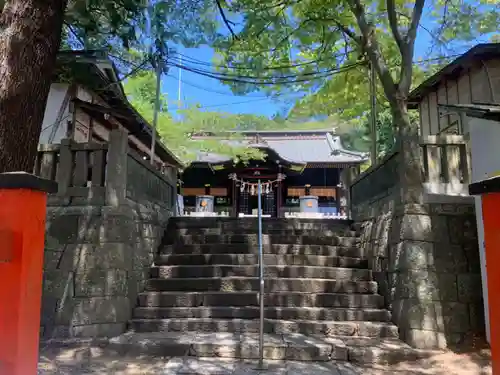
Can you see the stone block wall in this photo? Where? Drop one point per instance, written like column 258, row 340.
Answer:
column 425, row 258
column 103, row 229
column 97, row 260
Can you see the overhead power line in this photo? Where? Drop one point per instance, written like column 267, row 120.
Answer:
column 255, row 80
column 243, row 66
column 262, row 80
column 228, row 104
column 189, row 83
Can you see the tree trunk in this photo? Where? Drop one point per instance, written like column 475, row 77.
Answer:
column 411, row 164
column 29, row 41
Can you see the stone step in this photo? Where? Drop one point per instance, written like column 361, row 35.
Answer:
column 252, row 312
column 246, row 299
column 330, row 232
column 251, row 223
column 306, row 327
column 381, row 351
column 277, row 249
column 269, row 260
column 266, row 239
column 228, row 353
column 229, row 345
column 218, row 270
column 229, row 284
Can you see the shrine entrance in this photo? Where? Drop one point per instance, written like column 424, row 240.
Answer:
column 245, row 186
column 308, row 162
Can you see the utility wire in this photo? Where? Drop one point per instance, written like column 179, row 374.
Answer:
column 55, row 123
column 268, row 80
column 241, row 66
column 265, row 80
column 230, row 75
column 135, row 70
column 233, row 103
column 189, row 83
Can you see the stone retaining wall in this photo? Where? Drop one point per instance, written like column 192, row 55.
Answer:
column 96, row 261
column 98, row 251
column 425, row 258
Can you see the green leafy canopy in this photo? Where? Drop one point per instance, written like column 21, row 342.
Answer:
column 328, row 44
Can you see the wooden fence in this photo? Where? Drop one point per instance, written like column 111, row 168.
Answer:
column 377, row 180
column 145, row 184
column 445, row 166
column 78, row 168
column 103, row 174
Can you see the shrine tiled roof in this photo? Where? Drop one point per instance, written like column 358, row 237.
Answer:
column 310, row 146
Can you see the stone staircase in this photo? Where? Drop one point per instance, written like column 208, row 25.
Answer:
column 321, row 302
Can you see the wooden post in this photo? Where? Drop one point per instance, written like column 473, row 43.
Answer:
column 234, row 199
column 338, row 196
column 23, row 202
column 279, row 194
column 346, row 178
column 116, row 168
column 65, row 170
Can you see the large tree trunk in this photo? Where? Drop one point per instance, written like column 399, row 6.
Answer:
column 411, row 165
column 29, row 41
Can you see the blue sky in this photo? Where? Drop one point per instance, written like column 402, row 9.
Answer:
column 213, row 95
column 210, row 93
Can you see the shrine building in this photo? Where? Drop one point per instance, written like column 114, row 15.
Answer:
column 296, row 164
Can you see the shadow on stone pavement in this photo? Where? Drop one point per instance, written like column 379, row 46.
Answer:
column 95, row 360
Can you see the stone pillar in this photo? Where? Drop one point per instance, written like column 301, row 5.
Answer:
column 23, row 202
column 116, row 171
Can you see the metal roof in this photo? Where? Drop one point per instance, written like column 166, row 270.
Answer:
column 453, row 69
column 295, row 147
column 486, row 111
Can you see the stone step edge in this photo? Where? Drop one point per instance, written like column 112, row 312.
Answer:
column 231, row 348
column 244, row 278
column 265, row 246
column 184, row 271
column 252, row 307
column 225, row 312
column 254, row 232
column 255, row 255
column 164, row 266
column 208, row 292
column 303, row 321
column 308, row 351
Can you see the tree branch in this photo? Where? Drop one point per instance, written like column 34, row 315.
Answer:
column 225, row 19
column 393, row 22
column 343, row 28
column 415, row 20
column 409, row 48
column 372, row 49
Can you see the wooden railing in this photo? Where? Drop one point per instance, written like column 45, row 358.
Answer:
column 103, row 174
column 376, row 180
column 146, row 184
column 78, row 168
column 446, row 164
